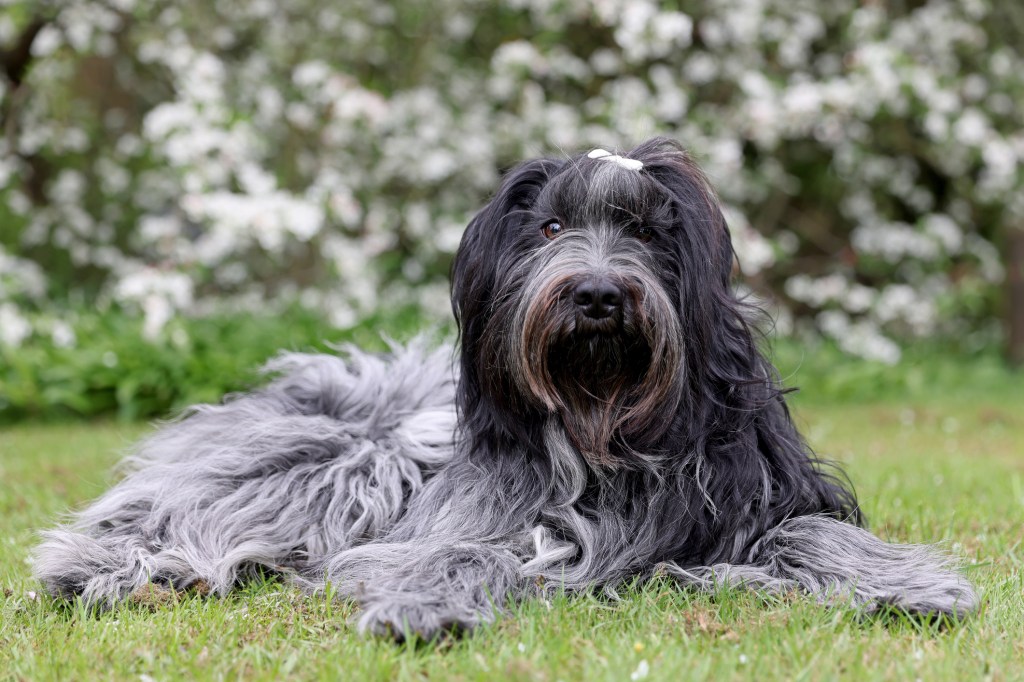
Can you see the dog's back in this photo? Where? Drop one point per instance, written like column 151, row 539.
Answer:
column 324, row 457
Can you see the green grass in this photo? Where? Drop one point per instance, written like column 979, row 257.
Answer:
column 937, row 469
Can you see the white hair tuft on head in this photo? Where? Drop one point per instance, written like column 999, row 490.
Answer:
column 605, row 155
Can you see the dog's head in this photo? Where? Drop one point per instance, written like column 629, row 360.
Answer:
column 586, row 289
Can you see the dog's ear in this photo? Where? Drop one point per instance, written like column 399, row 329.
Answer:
column 700, row 254
column 475, row 269
column 735, row 402
column 701, row 229
column 476, row 262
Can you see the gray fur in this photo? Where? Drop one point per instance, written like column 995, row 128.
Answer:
column 839, row 563
column 324, row 457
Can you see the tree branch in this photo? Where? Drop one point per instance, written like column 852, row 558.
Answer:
column 15, row 61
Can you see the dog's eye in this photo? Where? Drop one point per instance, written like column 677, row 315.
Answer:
column 552, row 229
column 644, row 234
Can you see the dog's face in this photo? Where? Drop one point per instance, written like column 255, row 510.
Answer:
column 580, row 287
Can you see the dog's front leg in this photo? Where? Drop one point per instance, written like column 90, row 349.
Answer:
column 427, row 586
column 839, row 563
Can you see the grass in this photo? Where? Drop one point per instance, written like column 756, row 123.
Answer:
column 944, row 468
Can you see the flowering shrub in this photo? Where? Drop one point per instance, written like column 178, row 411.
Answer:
column 192, row 156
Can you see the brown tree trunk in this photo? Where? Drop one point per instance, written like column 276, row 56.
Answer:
column 14, row 64
column 15, row 61
column 1015, row 296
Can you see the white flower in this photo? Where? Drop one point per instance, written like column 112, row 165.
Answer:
column 802, row 100
column 858, row 338
column 238, row 219
column 901, row 302
column 605, row 62
column 894, row 241
column 158, row 312
column 14, row 327
column 68, row 187
column 176, row 287
column 518, row 55
column 700, row 68
column 164, row 118
column 47, row 41
column 971, row 128
column 311, row 74
column 753, row 251
column 62, row 334
column 642, row 670
column 858, row 298
column 20, row 277
column 944, row 230
column 159, row 293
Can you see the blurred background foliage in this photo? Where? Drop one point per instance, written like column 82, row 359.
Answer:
column 188, row 185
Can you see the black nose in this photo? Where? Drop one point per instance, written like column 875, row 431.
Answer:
column 597, row 297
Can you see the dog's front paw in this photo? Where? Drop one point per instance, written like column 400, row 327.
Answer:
column 403, row 617
column 71, row 565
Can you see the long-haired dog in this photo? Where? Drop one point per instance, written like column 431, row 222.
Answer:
column 610, row 416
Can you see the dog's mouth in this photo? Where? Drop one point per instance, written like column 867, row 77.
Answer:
column 604, row 365
column 581, row 350
column 593, row 350
column 598, row 363
column 604, row 327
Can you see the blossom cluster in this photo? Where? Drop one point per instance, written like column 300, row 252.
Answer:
column 194, row 153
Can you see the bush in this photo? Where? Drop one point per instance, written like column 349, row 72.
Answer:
column 167, row 156
column 99, row 364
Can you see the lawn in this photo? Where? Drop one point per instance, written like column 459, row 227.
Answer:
column 938, row 468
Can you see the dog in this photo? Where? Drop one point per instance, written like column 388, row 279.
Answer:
column 608, row 416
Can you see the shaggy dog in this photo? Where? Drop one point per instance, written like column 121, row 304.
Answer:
column 610, row 417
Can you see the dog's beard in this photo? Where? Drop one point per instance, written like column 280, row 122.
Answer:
column 611, row 381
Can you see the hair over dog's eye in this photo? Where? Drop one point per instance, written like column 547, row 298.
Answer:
column 644, row 234
column 552, row 229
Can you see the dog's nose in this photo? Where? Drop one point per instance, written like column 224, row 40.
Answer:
column 597, row 297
